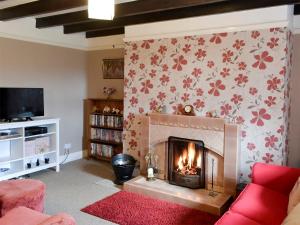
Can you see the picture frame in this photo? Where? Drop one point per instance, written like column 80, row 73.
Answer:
column 113, row 68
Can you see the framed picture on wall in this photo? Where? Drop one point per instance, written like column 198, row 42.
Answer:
column 113, row 68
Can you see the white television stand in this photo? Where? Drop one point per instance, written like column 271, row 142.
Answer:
column 15, row 154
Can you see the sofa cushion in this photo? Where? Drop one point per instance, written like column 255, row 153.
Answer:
column 60, row 219
column 261, row 204
column 294, row 217
column 29, row 193
column 230, row 218
column 23, row 216
column 294, row 197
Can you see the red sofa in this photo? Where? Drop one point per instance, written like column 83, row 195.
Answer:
column 265, row 200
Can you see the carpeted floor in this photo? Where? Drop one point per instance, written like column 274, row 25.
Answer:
column 79, row 184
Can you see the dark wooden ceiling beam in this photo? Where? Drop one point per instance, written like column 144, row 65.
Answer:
column 102, row 33
column 58, row 20
column 38, row 8
column 123, row 10
column 220, row 7
column 150, row 6
column 297, row 10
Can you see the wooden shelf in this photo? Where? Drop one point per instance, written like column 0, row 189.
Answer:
column 90, row 106
column 107, row 128
column 107, row 114
column 101, row 158
column 106, row 142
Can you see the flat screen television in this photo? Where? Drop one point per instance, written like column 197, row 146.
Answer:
column 21, row 103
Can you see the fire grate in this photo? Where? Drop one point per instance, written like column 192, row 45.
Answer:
column 186, row 162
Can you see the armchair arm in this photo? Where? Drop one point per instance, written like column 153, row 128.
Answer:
column 278, row 178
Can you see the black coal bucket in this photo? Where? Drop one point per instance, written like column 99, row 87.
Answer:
column 123, row 166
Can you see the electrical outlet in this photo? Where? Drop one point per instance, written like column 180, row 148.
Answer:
column 67, row 148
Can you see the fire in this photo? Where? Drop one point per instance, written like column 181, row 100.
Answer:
column 191, row 154
column 187, row 163
column 199, row 161
column 180, row 163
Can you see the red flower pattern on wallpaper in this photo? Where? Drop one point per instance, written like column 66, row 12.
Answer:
column 242, row 76
column 271, row 141
column 273, row 84
column 238, row 44
column 251, row 146
column 225, row 110
column 201, row 54
column 217, row 38
column 260, row 116
column 262, row 59
column 268, row 158
column 179, row 62
column 146, row 86
column 216, row 88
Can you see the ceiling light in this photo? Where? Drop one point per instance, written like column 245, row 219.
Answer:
column 101, row 9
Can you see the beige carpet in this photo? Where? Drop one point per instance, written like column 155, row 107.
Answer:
column 79, row 184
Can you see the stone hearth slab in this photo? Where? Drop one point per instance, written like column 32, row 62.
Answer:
column 197, row 199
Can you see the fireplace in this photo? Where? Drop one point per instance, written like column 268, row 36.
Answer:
column 186, row 162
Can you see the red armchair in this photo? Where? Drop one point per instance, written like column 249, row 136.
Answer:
column 265, row 200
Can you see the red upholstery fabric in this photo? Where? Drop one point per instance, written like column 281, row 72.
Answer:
column 261, row 204
column 277, row 178
column 264, row 201
column 60, row 219
column 24, row 216
column 231, row 218
column 28, row 193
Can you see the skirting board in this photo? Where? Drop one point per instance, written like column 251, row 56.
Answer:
column 72, row 157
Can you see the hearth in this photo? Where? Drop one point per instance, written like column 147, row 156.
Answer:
column 186, row 162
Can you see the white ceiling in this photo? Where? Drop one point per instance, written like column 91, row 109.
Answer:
column 24, row 29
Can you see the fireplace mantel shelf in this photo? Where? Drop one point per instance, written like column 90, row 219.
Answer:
column 197, row 199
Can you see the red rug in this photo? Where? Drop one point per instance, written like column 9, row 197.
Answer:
column 126, row 208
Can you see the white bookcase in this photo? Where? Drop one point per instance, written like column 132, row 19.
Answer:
column 15, row 153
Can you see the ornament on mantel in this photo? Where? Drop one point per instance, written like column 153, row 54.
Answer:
column 109, row 91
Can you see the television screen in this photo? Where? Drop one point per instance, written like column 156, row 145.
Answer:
column 16, row 103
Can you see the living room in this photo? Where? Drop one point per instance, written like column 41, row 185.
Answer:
column 218, row 76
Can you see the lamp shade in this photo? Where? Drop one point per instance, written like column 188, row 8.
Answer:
column 101, row 9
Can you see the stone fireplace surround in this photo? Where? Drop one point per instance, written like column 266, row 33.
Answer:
column 223, row 144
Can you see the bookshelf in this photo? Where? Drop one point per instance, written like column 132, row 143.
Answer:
column 102, row 131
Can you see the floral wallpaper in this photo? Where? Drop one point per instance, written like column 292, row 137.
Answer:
column 241, row 76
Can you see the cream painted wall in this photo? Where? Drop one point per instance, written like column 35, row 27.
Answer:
column 294, row 136
column 95, row 81
column 62, row 74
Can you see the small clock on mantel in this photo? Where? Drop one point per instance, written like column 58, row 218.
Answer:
column 188, row 110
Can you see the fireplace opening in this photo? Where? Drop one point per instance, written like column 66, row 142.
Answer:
column 186, row 162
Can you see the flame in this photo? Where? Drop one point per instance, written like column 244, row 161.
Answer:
column 184, row 156
column 180, row 163
column 189, row 161
column 191, row 154
column 199, row 161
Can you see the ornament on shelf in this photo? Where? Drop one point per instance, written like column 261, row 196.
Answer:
column 152, row 170
column 115, row 111
column 188, row 110
column 212, row 114
column 106, row 109
column 109, row 91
